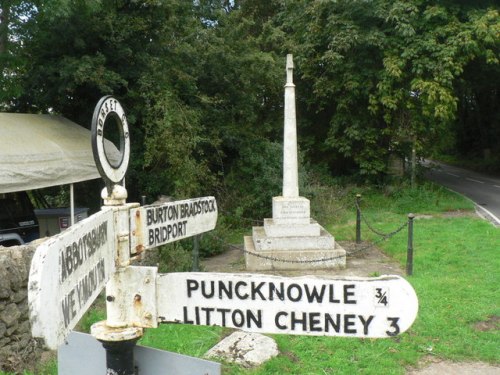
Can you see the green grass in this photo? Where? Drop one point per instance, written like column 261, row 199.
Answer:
column 185, row 339
column 456, row 268
column 456, row 278
column 49, row 368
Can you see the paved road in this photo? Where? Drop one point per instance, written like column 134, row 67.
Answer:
column 482, row 189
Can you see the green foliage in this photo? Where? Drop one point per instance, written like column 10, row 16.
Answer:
column 175, row 257
column 379, row 74
column 331, row 200
column 179, row 256
column 95, row 314
column 215, row 242
column 427, row 198
column 489, row 164
column 14, row 31
column 261, row 163
column 173, row 157
column 49, row 368
column 202, row 83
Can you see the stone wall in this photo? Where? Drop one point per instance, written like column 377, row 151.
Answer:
column 18, row 350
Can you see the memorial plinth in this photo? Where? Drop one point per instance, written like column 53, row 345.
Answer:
column 291, row 239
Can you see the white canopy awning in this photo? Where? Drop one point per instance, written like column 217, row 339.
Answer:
column 38, row 151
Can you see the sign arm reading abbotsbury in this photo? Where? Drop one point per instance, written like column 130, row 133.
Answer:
column 67, row 273
column 69, row 270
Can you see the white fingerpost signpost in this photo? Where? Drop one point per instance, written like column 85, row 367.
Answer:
column 69, row 271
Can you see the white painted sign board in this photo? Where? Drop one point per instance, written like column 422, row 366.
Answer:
column 355, row 307
column 67, row 273
column 82, row 354
column 156, row 225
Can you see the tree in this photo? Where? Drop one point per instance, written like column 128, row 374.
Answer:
column 429, row 46
column 377, row 74
column 202, row 82
column 15, row 18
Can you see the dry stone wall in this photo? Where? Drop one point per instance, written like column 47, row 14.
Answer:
column 17, row 348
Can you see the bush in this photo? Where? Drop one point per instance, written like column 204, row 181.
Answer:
column 216, row 241
column 175, row 257
column 254, row 179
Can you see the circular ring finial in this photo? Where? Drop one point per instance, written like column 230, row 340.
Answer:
column 112, row 166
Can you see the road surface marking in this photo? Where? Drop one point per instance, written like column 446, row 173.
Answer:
column 496, row 219
column 471, row 179
column 454, row 175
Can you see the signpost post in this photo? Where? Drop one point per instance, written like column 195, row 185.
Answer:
column 70, row 270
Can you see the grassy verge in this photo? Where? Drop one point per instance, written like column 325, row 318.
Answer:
column 456, row 270
column 456, row 277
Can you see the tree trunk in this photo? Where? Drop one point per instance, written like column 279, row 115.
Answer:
column 4, row 26
column 413, row 161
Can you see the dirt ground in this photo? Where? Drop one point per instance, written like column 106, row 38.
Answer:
column 436, row 366
column 371, row 262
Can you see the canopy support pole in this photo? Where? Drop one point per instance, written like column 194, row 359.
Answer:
column 72, row 203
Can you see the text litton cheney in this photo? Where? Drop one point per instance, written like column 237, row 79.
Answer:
column 272, row 291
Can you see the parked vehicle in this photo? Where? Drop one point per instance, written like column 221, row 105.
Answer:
column 18, row 222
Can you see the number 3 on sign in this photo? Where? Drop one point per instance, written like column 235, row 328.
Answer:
column 394, row 326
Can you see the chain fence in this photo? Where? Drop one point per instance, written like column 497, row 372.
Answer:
column 377, row 232
column 358, row 250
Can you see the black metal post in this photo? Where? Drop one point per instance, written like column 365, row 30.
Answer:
column 409, row 254
column 358, row 219
column 196, row 253
column 120, row 357
column 143, row 200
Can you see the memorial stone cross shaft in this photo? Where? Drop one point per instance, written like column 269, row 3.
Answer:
column 290, row 160
column 291, row 239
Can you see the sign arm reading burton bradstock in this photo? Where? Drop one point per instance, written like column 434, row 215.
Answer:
column 69, row 271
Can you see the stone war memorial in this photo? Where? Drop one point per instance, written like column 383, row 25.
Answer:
column 291, row 239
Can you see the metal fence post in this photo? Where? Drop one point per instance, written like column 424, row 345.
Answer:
column 409, row 254
column 358, row 219
column 196, row 253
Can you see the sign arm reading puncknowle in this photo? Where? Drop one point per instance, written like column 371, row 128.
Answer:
column 69, row 271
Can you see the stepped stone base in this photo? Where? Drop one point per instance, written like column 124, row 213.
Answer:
column 272, row 229
column 262, row 242
column 300, row 254
column 291, row 240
